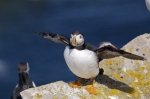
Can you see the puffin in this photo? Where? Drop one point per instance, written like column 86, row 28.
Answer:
column 82, row 58
column 25, row 81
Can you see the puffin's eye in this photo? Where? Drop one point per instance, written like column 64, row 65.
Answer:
column 80, row 36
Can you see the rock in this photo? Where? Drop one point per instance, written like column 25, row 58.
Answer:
column 122, row 79
column 57, row 90
column 147, row 4
column 132, row 74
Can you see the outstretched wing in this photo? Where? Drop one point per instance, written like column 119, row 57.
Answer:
column 110, row 51
column 55, row 37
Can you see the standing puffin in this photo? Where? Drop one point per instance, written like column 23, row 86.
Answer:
column 25, row 81
column 82, row 59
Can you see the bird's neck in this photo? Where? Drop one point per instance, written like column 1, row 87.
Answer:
column 82, row 47
column 23, row 78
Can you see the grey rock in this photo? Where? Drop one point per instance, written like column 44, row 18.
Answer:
column 122, row 79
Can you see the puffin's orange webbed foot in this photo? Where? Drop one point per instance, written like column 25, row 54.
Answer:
column 75, row 84
column 86, row 83
column 91, row 89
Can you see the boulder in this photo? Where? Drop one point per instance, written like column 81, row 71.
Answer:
column 147, row 4
column 123, row 78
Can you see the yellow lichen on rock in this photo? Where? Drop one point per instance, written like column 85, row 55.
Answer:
column 114, row 92
column 37, row 96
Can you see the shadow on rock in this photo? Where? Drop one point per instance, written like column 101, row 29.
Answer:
column 114, row 84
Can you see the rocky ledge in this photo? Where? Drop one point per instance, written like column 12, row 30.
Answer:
column 122, row 79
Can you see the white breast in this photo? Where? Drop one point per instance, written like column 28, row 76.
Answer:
column 83, row 63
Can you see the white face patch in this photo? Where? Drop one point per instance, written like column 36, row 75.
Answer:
column 77, row 40
column 28, row 68
column 23, row 68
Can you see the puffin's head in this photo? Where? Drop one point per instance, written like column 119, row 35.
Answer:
column 76, row 39
column 23, row 67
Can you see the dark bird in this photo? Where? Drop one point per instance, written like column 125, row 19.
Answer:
column 82, row 59
column 25, row 81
